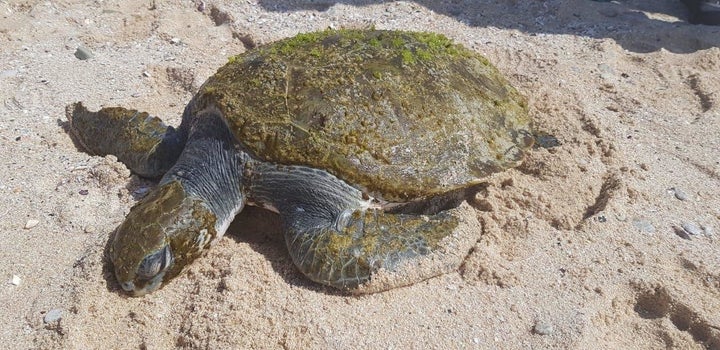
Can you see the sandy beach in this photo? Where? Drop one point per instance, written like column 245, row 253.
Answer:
column 609, row 240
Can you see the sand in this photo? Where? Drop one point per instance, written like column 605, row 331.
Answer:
column 581, row 247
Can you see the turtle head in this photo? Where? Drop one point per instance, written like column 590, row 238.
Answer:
column 162, row 234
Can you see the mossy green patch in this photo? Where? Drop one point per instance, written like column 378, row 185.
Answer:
column 407, row 57
column 299, row 41
column 423, row 55
column 374, row 42
column 315, row 51
column 397, row 43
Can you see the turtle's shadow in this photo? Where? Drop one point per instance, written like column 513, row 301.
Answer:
column 67, row 129
column 262, row 231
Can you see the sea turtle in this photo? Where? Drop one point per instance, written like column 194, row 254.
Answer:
column 363, row 141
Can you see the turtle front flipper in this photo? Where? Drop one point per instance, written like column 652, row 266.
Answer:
column 337, row 238
column 143, row 143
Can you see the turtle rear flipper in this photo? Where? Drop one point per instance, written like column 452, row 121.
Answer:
column 338, row 238
column 374, row 251
column 143, row 143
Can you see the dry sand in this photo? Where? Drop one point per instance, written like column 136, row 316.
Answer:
column 581, row 247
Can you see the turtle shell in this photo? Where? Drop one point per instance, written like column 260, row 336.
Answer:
column 400, row 115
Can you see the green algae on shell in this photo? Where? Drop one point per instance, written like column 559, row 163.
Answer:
column 402, row 115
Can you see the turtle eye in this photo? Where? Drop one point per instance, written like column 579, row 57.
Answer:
column 155, row 263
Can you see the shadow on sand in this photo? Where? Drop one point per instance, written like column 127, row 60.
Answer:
column 625, row 22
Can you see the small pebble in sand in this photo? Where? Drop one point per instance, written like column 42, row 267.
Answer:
column 605, row 71
column 31, row 223
column 691, row 228
column 542, row 328
column 681, row 232
column 8, row 74
column 679, row 193
column 15, row 280
column 52, row 316
column 643, row 225
column 83, row 53
column 708, row 230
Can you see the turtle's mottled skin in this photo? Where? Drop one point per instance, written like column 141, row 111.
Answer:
column 362, row 140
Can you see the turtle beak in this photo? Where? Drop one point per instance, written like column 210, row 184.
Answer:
column 148, row 287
